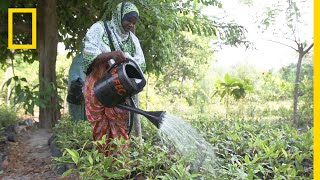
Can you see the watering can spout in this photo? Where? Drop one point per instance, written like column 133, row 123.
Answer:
column 153, row 116
column 156, row 117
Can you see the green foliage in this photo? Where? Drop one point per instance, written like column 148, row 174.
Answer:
column 146, row 159
column 28, row 96
column 62, row 82
column 288, row 72
column 158, row 37
column 306, row 95
column 231, row 87
column 22, row 23
column 24, row 90
column 156, row 34
column 259, row 150
column 73, row 24
column 244, row 150
column 180, row 82
column 181, row 74
column 71, row 134
column 275, row 87
column 268, row 98
column 193, row 54
column 305, row 90
column 7, row 118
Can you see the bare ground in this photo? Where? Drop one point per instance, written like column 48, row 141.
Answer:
column 30, row 157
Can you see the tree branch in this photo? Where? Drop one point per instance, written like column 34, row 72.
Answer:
column 308, row 49
column 293, row 40
column 294, row 35
column 282, row 44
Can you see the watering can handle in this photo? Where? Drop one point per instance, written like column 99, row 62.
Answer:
column 140, row 85
column 134, row 62
column 112, row 63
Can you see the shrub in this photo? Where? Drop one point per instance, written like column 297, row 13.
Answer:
column 7, row 117
column 260, row 150
column 150, row 159
column 244, row 150
column 72, row 134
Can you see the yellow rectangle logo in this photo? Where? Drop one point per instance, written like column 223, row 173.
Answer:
column 33, row 44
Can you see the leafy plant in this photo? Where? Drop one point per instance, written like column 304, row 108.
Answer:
column 263, row 150
column 244, row 150
column 150, row 159
column 71, row 134
column 27, row 95
column 231, row 86
column 7, row 118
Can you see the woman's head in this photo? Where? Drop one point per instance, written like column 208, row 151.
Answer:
column 125, row 16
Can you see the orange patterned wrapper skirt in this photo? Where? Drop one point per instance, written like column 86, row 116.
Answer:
column 112, row 122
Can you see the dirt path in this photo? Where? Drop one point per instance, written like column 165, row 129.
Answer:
column 30, row 157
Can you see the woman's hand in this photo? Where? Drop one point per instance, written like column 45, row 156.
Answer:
column 118, row 56
column 103, row 58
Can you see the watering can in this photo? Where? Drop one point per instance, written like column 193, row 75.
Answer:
column 122, row 81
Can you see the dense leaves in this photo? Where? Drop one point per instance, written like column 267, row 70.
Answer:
column 158, row 29
column 244, row 150
column 7, row 117
column 231, row 87
column 264, row 150
column 21, row 32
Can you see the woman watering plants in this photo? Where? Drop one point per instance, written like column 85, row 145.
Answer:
column 104, row 41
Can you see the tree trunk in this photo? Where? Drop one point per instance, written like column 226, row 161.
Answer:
column 296, row 92
column 47, row 49
column 296, row 89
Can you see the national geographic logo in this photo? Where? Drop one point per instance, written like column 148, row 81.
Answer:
column 33, row 44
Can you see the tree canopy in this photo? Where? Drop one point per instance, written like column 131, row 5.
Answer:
column 160, row 22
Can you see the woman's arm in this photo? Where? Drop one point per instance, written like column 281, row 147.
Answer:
column 103, row 58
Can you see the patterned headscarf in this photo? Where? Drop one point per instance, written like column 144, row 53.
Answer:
column 128, row 10
column 97, row 41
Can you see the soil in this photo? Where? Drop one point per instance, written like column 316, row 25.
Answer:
column 30, row 157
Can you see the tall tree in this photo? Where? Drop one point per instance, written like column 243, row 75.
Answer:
column 47, row 49
column 292, row 35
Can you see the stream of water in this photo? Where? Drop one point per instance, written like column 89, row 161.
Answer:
column 188, row 142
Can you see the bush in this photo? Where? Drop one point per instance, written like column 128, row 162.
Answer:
column 7, row 117
column 150, row 159
column 244, row 150
column 72, row 134
column 260, row 150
